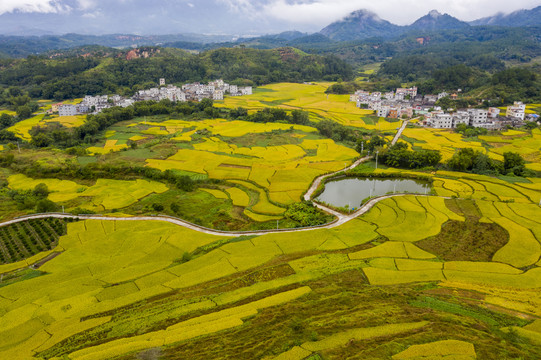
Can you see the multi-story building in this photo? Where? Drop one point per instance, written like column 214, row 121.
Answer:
column 442, row 121
column 517, row 110
column 67, row 110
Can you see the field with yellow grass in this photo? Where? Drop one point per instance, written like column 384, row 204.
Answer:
column 454, row 274
column 311, row 98
column 127, row 288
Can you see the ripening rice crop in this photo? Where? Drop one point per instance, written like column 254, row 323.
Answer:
column 392, row 249
column 296, row 353
column 199, row 326
column 413, row 222
column 504, row 192
column 239, row 197
column 60, row 190
column 451, row 349
column 261, row 217
column 116, row 194
column 522, row 249
column 484, row 267
column 531, row 279
column 263, row 206
column 341, row 339
column 110, row 146
column 286, row 171
column 417, row 265
column 218, row 194
column 390, row 277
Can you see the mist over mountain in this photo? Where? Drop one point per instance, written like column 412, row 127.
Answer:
column 358, row 25
column 515, row 19
column 363, row 24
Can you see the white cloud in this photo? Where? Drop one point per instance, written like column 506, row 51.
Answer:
column 42, row 6
column 86, row 4
column 190, row 5
column 319, row 13
column 246, row 7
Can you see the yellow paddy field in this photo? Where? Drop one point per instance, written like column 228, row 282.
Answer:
column 108, row 265
column 311, row 98
column 22, row 128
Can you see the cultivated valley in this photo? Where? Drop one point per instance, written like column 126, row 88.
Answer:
column 151, row 210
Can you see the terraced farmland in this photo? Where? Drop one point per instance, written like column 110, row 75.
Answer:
column 129, row 288
column 452, row 275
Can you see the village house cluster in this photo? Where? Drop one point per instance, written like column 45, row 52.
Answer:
column 214, row 90
column 406, row 102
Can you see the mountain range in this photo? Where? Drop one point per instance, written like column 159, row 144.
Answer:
column 359, row 25
column 363, row 24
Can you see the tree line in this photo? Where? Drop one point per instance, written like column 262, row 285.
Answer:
column 73, row 77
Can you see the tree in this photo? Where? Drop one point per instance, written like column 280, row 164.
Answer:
column 513, row 163
column 41, row 140
column 45, row 205
column 6, row 120
column 185, row 183
column 375, row 142
column 41, row 190
column 24, row 112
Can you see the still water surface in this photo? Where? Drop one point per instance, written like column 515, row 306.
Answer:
column 351, row 192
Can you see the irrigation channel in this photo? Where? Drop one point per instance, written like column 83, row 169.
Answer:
column 340, row 218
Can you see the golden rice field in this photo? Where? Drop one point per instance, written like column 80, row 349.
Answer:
column 446, row 141
column 369, row 288
column 107, row 265
column 104, row 195
column 286, row 171
column 22, row 128
column 311, row 98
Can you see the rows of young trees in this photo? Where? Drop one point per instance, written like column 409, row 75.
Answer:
column 24, row 239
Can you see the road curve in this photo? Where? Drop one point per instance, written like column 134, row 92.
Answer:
column 340, row 218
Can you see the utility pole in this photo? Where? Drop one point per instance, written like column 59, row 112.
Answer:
column 377, row 152
column 362, row 146
column 277, row 224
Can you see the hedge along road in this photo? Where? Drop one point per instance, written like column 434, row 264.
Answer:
column 340, row 218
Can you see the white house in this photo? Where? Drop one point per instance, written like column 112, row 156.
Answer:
column 517, row 110
column 67, row 110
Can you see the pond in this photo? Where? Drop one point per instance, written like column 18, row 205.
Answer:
column 351, row 192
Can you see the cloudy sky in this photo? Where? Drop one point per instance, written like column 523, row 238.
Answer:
column 224, row 16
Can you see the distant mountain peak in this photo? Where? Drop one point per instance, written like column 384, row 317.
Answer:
column 434, row 20
column 363, row 14
column 435, row 14
column 360, row 24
